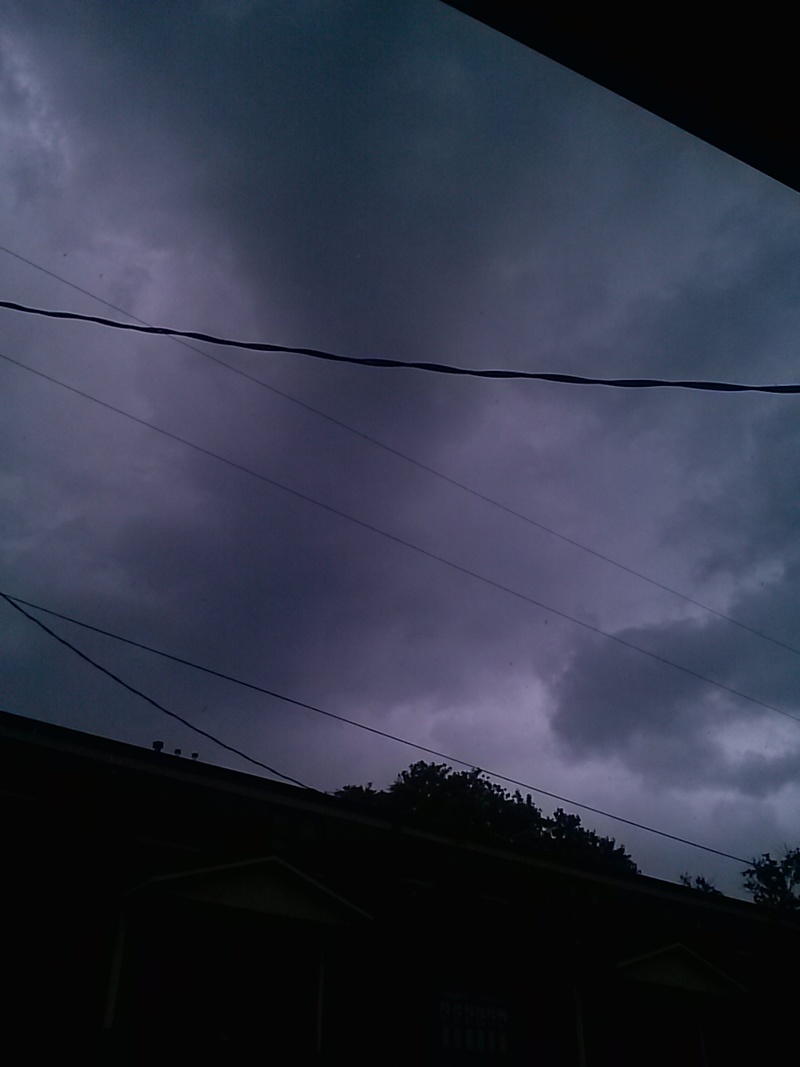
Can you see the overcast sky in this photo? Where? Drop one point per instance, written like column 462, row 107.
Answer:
column 399, row 181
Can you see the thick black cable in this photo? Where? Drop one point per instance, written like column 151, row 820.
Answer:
column 16, row 601
column 415, row 462
column 438, row 368
column 154, row 703
column 407, row 544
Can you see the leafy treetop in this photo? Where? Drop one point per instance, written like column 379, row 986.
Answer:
column 466, row 804
column 775, row 883
column 701, row 884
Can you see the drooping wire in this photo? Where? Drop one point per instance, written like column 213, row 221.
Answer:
column 154, row 703
column 407, row 544
column 15, row 602
column 415, row 462
column 436, row 368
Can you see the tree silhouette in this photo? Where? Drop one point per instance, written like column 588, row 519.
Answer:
column 700, row 884
column 775, row 883
column 468, row 806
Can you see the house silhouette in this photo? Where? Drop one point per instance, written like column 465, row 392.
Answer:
column 158, row 908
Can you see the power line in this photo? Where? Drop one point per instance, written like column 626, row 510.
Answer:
column 72, row 285
column 422, row 466
column 15, row 602
column 437, row 368
column 153, row 703
column 407, row 544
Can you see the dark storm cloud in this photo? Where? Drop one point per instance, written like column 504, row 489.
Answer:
column 671, row 727
column 748, row 513
column 335, row 165
column 395, row 180
column 342, row 212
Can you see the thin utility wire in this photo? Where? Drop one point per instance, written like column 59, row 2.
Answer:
column 154, row 703
column 415, row 462
column 407, row 544
column 437, row 368
column 15, row 602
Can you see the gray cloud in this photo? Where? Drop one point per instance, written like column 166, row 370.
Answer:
column 398, row 181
